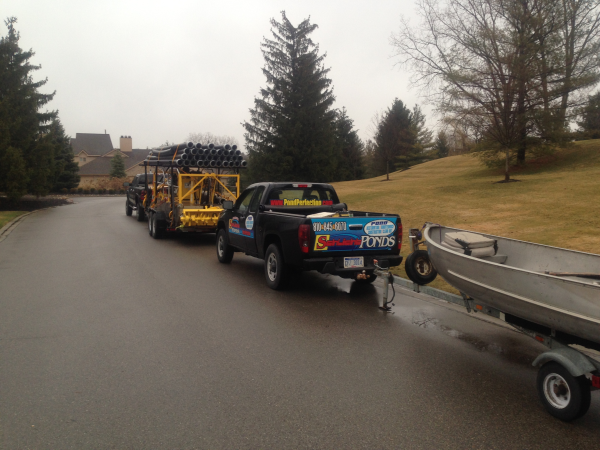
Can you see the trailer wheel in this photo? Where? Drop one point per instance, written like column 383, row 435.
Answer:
column 276, row 272
column 150, row 224
column 224, row 250
column 156, row 230
column 128, row 208
column 139, row 212
column 565, row 397
column 419, row 268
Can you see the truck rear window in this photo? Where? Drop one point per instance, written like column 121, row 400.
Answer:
column 301, row 196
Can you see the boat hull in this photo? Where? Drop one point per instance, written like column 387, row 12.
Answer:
column 564, row 304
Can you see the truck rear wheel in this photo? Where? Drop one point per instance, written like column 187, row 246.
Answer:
column 128, row 208
column 224, row 250
column 156, row 231
column 276, row 272
column 139, row 213
column 565, row 397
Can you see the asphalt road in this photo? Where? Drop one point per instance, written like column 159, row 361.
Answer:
column 110, row 339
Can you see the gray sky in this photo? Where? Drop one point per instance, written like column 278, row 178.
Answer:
column 158, row 70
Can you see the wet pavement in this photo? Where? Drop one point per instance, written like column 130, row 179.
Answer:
column 110, row 339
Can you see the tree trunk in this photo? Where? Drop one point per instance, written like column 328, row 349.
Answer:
column 506, row 170
column 387, row 170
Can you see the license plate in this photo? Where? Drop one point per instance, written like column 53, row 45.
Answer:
column 352, row 262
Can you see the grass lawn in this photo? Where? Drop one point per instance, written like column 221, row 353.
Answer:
column 7, row 216
column 556, row 202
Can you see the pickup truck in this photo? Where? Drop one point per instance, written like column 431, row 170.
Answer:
column 303, row 226
column 136, row 194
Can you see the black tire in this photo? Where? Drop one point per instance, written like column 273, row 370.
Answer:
column 276, row 272
column 565, row 397
column 369, row 280
column 224, row 250
column 157, row 231
column 128, row 208
column 139, row 212
column 419, row 268
column 150, row 223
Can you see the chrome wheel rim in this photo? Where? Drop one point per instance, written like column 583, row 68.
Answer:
column 557, row 391
column 272, row 267
column 221, row 246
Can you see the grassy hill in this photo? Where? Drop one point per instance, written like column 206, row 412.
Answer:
column 557, row 201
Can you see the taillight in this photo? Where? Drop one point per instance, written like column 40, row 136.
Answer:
column 304, row 238
column 400, row 236
column 143, row 195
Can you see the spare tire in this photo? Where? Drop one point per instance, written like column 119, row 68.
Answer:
column 419, row 268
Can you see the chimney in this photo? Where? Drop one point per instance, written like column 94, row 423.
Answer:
column 126, row 144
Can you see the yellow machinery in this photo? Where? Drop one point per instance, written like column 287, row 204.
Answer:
column 195, row 202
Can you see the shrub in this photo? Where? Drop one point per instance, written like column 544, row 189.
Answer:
column 121, row 191
column 111, row 192
column 80, row 190
column 64, row 191
column 86, row 192
column 73, row 191
column 92, row 191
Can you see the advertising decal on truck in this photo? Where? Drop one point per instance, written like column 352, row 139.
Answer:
column 234, row 227
column 354, row 233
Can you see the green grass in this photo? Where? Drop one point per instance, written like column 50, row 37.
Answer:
column 7, row 216
column 555, row 203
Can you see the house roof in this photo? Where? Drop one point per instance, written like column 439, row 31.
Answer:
column 101, row 166
column 92, row 144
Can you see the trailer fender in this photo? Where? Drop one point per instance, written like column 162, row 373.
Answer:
column 572, row 360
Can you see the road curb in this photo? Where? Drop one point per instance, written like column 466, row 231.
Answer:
column 10, row 226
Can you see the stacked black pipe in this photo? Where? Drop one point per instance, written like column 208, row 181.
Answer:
column 189, row 154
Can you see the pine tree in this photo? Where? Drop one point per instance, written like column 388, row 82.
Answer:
column 21, row 121
column 395, row 136
column 590, row 115
column 442, row 146
column 15, row 178
column 291, row 132
column 351, row 164
column 117, row 167
column 66, row 170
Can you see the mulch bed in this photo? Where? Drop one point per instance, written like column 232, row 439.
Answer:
column 31, row 203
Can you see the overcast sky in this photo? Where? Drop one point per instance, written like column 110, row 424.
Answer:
column 158, row 70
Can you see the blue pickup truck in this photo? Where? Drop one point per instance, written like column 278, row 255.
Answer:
column 299, row 226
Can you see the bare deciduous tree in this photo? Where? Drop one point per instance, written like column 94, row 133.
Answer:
column 209, row 138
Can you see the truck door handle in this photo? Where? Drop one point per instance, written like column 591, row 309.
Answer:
column 356, row 227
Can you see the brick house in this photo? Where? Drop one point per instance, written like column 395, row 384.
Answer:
column 93, row 153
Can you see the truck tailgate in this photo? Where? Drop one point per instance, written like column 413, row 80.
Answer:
column 355, row 235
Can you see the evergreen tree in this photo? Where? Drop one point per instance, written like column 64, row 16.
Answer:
column 590, row 115
column 351, row 165
column 395, row 136
column 66, row 170
column 291, row 132
column 117, row 167
column 14, row 174
column 21, row 121
column 442, row 146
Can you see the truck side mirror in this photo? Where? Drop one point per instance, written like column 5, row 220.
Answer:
column 126, row 184
column 228, row 205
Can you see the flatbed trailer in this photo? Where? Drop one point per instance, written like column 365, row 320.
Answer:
column 187, row 199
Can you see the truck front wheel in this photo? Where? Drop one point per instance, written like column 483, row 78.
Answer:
column 276, row 272
column 128, row 209
column 224, row 250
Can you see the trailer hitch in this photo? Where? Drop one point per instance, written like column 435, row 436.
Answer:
column 383, row 271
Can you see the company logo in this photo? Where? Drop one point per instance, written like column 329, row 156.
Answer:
column 298, row 202
column 324, row 242
column 380, row 228
column 249, row 222
column 234, row 223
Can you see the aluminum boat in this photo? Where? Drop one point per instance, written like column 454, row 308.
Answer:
column 553, row 287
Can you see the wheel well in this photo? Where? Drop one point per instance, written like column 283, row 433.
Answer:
column 271, row 239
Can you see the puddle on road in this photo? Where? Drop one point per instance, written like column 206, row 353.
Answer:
column 508, row 347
